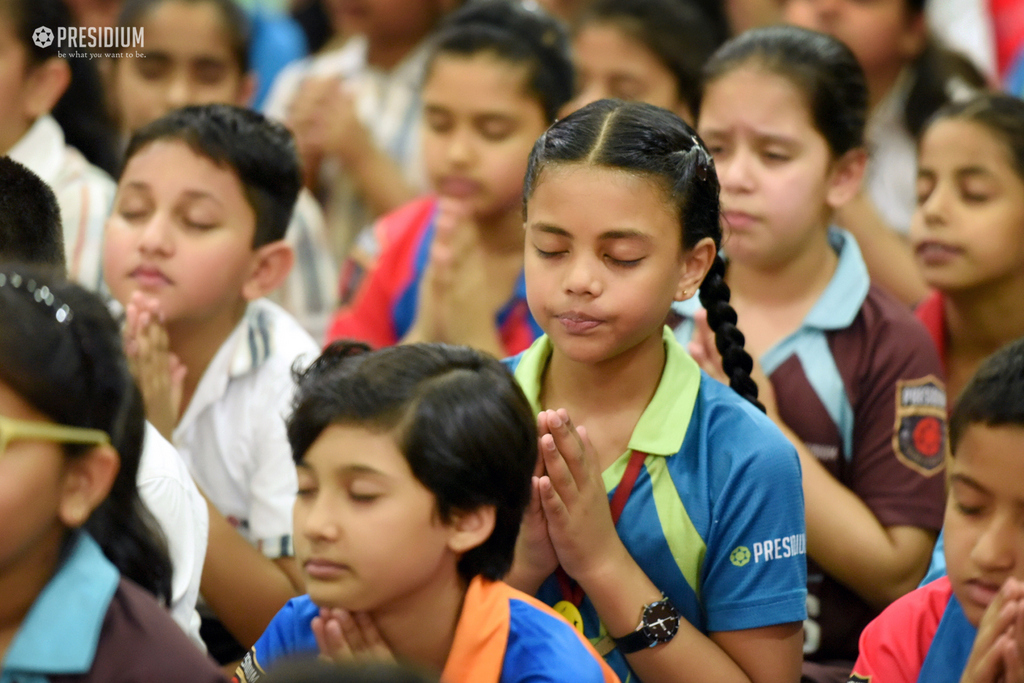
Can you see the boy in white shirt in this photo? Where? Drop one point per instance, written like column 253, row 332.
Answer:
column 195, row 241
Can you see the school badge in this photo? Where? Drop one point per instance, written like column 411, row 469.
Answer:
column 919, row 438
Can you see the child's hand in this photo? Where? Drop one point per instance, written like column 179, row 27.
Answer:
column 158, row 372
column 574, row 498
column 342, row 134
column 534, row 552
column 702, row 349
column 998, row 652
column 342, row 637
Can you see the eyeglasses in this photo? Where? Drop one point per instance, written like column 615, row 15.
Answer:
column 14, row 430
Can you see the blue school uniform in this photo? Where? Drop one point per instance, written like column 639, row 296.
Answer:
column 716, row 516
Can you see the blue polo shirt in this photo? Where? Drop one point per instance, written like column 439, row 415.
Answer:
column 90, row 623
column 716, row 517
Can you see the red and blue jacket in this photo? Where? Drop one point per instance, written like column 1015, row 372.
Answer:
column 384, row 308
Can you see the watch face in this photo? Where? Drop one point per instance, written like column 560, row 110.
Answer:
column 661, row 621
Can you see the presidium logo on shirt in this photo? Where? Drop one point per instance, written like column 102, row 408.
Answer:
column 919, row 438
column 770, row 549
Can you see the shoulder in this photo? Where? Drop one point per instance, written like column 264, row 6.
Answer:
column 289, row 632
column 894, row 645
column 890, row 326
column 290, row 342
column 139, row 641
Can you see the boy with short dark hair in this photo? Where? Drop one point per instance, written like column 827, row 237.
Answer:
column 195, row 242
column 415, row 465
column 968, row 626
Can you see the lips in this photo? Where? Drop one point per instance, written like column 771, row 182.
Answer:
column 150, row 277
column 738, row 219
column 458, row 187
column 980, row 592
column 934, row 253
column 576, row 322
column 324, row 570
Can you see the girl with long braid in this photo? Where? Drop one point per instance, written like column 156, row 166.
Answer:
column 857, row 380
column 692, row 569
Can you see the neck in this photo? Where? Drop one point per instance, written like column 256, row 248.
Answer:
column 23, row 581
column 612, row 386
column 420, row 628
column 880, row 84
column 797, row 280
column 386, row 55
column 503, row 235
column 196, row 342
column 980, row 322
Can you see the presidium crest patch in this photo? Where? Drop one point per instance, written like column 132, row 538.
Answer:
column 920, row 439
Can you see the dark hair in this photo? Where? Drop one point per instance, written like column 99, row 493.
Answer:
column 1001, row 114
column 260, row 151
column 642, row 138
column 679, row 34
column 60, row 351
column 994, row 396
column 457, row 415
column 821, row 67
column 81, row 110
column 318, row 671
column 30, row 226
column 940, row 76
column 518, row 34
column 235, row 22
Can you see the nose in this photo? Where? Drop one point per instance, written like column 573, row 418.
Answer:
column 582, row 276
column 735, row 170
column 933, row 210
column 461, row 150
column 316, row 518
column 996, row 544
column 157, row 236
column 179, row 90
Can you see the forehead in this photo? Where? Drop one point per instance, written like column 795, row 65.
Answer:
column 956, row 142
column 993, row 457
column 187, row 28
column 342, row 446
column 171, row 167
column 479, row 81
column 756, row 98
column 584, row 199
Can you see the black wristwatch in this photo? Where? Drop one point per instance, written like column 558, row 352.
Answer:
column 658, row 624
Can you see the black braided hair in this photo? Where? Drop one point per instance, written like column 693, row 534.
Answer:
column 645, row 139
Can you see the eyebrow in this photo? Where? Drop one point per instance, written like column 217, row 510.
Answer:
column 617, row 234
column 348, row 470
column 967, row 481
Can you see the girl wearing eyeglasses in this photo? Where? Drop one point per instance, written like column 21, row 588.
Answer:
column 79, row 561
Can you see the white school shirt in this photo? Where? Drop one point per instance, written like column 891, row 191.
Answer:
column 166, row 487
column 387, row 103
column 84, row 192
column 232, row 435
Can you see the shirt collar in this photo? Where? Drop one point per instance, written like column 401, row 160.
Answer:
column 41, row 148
column 662, row 426
column 62, row 629
column 839, row 304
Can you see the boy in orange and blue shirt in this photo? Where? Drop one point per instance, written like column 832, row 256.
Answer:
column 414, row 467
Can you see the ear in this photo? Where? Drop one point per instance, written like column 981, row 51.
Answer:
column 88, row 479
column 270, row 266
column 915, row 36
column 471, row 529
column 845, row 178
column 694, row 266
column 247, row 89
column 46, row 83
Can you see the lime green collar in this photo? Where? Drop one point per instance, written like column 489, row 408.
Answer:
column 662, row 426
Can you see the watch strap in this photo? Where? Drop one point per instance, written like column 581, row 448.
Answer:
column 633, row 642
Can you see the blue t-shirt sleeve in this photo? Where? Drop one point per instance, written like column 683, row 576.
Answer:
column 755, row 570
column 289, row 634
column 545, row 649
